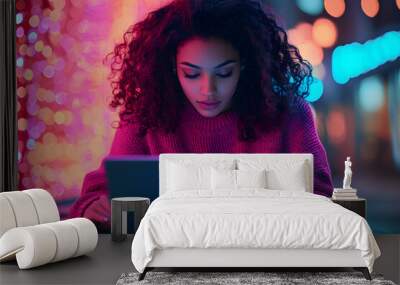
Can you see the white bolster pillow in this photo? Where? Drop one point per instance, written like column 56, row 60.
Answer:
column 40, row 244
column 67, row 240
column 32, row 246
column 24, row 211
column 46, row 207
column 26, row 208
column 7, row 218
column 87, row 235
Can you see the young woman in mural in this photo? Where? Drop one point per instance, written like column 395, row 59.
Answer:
column 207, row 77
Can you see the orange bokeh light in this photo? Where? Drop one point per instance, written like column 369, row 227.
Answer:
column 336, row 127
column 300, row 34
column 319, row 71
column 370, row 7
column 324, row 32
column 335, row 8
column 311, row 52
column 398, row 4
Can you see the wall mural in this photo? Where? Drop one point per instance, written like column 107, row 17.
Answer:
column 65, row 126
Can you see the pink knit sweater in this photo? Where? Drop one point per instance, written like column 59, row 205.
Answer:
column 198, row 134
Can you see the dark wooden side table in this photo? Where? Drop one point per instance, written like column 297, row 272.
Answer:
column 119, row 208
column 358, row 205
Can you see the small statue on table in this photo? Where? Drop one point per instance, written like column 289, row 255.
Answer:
column 347, row 192
column 347, row 174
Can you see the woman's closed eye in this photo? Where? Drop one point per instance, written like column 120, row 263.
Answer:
column 191, row 76
column 222, row 74
column 225, row 73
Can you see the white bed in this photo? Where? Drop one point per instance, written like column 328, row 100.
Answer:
column 251, row 226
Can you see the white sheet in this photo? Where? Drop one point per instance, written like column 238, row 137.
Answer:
column 251, row 218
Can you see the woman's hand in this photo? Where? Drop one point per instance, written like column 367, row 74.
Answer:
column 99, row 210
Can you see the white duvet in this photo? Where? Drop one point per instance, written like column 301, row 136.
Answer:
column 250, row 218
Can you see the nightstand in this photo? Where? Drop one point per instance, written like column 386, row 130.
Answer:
column 119, row 208
column 358, row 205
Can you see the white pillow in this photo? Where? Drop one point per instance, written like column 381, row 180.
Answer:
column 251, row 178
column 188, row 175
column 236, row 179
column 281, row 174
column 292, row 179
column 223, row 179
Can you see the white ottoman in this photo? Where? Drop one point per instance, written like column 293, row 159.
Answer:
column 32, row 233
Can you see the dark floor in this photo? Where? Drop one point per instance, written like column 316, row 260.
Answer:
column 102, row 266
column 110, row 259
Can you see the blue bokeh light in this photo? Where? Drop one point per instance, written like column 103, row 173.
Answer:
column 32, row 37
column 371, row 94
column 19, row 18
column 316, row 90
column 20, row 62
column 311, row 7
column 312, row 85
column 31, row 144
column 352, row 60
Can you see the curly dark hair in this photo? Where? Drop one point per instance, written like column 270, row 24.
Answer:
column 146, row 89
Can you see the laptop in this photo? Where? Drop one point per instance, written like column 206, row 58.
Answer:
column 133, row 176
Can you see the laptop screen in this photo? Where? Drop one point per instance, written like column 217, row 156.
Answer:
column 133, row 176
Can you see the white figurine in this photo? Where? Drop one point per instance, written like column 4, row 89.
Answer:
column 347, row 174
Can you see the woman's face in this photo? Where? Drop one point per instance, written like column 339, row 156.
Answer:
column 208, row 71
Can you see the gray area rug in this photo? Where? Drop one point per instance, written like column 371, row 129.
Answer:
column 229, row 278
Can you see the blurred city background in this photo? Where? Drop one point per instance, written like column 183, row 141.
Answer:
column 65, row 126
